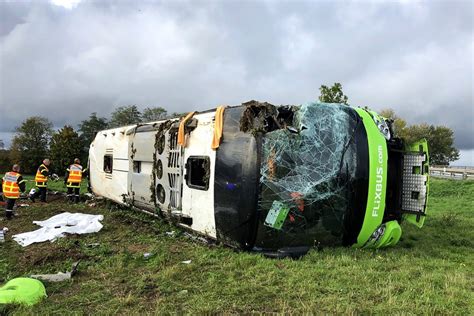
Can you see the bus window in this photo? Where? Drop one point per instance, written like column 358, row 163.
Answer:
column 198, row 172
column 137, row 166
column 108, row 163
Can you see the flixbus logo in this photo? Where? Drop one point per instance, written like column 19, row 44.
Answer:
column 378, row 182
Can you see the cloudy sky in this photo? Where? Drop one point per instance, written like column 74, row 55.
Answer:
column 65, row 59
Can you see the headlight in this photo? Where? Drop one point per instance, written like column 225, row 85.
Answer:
column 383, row 128
column 381, row 124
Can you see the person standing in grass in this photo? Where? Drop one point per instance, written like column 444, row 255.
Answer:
column 13, row 184
column 73, row 179
column 41, row 180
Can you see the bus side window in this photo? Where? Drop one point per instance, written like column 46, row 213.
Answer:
column 198, row 172
column 108, row 163
column 137, row 166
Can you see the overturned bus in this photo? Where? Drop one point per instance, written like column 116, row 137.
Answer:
column 275, row 179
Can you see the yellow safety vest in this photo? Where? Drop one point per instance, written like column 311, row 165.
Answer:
column 75, row 176
column 11, row 190
column 41, row 181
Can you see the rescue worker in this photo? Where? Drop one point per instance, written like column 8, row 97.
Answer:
column 13, row 184
column 73, row 179
column 41, row 180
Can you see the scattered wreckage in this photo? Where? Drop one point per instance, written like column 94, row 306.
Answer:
column 275, row 179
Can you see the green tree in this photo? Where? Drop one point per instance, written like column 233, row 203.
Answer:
column 5, row 161
column 125, row 115
column 30, row 145
column 177, row 114
column 333, row 94
column 154, row 114
column 399, row 124
column 65, row 146
column 89, row 128
column 440, row 140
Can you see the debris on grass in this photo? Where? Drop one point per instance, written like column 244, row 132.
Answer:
column 147, row 255
column 58, row 277
column 93, row 245
column 59, row 225
column 183, row 292
column 186, row 261
column 196, row 238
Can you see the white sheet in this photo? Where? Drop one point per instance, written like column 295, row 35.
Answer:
column 59, row 225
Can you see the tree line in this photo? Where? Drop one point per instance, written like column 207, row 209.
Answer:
column 35, row 138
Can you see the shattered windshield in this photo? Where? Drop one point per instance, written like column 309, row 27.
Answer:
column 306, row 174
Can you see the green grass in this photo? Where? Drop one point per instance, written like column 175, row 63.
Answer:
column 52, row 185
column 429, row 272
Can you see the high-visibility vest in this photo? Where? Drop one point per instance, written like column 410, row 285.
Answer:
column 75, row 176
column 41, row 181
column 10, row 187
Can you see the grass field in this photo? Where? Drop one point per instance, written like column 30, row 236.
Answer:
column 429, row 272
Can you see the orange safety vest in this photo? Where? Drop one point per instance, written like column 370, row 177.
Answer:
column 41, row 181
column 11, row 190
column 75, row 176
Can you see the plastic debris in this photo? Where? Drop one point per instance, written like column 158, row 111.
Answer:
column 171, row 233
column 59, row 225
column 24, row 291
column 277, row 215
column 58, row 277
column 23, row 205
column 147, row 255
column 183, row 292
column 93, row 245
column 186, row 261
column 196, row 238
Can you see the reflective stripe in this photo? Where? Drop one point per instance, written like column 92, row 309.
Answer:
column 41, row 180
column 75, row 174
column 10, row 176
column 10, row 187
column 75, row 167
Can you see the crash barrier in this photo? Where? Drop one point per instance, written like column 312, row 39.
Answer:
column 452, row 173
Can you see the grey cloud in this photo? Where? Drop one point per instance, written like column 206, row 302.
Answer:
column 413, row 57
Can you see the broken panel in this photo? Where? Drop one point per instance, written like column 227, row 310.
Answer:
column 308, row 168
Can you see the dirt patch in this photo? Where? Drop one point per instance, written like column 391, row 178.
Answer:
column 137, row 248
column 45, row 253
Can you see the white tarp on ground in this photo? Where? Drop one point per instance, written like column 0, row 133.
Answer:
column 59, row 225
